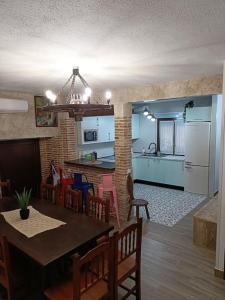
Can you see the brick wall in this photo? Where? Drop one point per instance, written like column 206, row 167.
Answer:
column 59, row 148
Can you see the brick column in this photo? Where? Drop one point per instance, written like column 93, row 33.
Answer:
column 123, row 142
column 61, row 147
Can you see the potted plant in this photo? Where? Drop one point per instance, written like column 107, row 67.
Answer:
column 23, row 201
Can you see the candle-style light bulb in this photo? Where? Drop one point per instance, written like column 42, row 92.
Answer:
column 88, row 91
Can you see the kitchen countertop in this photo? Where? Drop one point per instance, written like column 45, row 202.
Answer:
column 138, row 154
column 166, row 157
column 99, row 164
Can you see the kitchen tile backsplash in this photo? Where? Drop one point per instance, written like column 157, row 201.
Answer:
column 147, row 134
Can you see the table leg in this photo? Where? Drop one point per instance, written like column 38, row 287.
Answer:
column 42, row 283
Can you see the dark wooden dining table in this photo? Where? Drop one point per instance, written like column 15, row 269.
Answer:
column 51, row 245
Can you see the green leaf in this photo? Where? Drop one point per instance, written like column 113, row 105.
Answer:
column 23, row 198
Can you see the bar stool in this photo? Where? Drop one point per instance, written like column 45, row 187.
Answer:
column 107, row 185
column 83, row 186
column 64, row 182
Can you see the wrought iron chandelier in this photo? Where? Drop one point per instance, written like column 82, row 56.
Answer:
column 73, row 97
column 77, row 103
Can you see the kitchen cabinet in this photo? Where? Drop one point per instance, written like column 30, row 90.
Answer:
column 140, row 168
column 159, row 170
column 106, row 128
column 103, row 124
column 198, row 114
column 135, row 126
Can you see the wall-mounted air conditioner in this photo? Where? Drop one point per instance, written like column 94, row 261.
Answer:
column 8, row 106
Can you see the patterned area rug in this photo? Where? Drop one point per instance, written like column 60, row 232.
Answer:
column 167, row 206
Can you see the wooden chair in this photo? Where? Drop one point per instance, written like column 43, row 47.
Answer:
column 128, row 260
column 73, row 200
column 10, row 278
column 137, row 203
column 5, row 188
column 92, row 276
column 98, row 208
column 49, row 193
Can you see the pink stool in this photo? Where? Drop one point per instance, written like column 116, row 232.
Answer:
column 108, row 186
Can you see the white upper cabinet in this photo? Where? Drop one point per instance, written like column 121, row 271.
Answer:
column 105, row 125
column 106, row 129
column 135, row 126
column 198, row 114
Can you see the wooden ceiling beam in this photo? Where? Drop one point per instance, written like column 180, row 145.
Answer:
column 81, row 109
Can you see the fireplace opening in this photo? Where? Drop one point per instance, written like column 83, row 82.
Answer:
column 20, row 163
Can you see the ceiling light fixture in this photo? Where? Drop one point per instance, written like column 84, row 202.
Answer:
column 149, row 115
column 145, row 113
column 108, row 96
column 77, row 104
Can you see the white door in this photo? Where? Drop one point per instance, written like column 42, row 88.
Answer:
column 196, row 179
column 197, row 139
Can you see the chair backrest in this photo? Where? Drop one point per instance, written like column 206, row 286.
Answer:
column 5, row 188
column 5, row 267
column 128, row 242
column 77, row 178
column 97, row 265
column 73, row 200
column 49, row 193
column 97, row 208
column 107, row 180
column 130, row 187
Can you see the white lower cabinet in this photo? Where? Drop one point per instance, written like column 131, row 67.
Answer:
column 159, row 170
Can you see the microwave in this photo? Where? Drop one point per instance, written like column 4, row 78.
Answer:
column 90, row 135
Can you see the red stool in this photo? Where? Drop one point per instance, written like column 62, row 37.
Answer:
column 64, row 182
column 107, row 185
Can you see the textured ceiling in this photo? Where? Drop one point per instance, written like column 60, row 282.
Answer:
column 117, row 43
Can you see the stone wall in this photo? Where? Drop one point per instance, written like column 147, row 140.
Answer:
column 174, row 89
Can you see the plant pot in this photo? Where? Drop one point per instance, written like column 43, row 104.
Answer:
column 24, row 213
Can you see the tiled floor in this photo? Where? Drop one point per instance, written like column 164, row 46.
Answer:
column 167, row 206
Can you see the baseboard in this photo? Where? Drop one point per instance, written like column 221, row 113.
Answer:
column 169, row 186
column 219, row 273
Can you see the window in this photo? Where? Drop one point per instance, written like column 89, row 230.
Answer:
column 170, row 133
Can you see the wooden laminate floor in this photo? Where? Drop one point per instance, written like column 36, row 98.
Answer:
column 175, row 269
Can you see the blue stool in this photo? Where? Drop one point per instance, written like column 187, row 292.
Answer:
column 83, row 186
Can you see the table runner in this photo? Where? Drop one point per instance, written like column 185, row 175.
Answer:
column 36, row 223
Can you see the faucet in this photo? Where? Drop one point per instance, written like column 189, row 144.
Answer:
column 149, row 148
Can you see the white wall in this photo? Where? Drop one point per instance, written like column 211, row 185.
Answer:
column 220, row 241
column 218, row 141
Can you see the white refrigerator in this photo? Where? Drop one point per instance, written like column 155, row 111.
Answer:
column 197, row 155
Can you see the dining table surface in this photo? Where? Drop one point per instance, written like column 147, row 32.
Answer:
column 48, row 246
